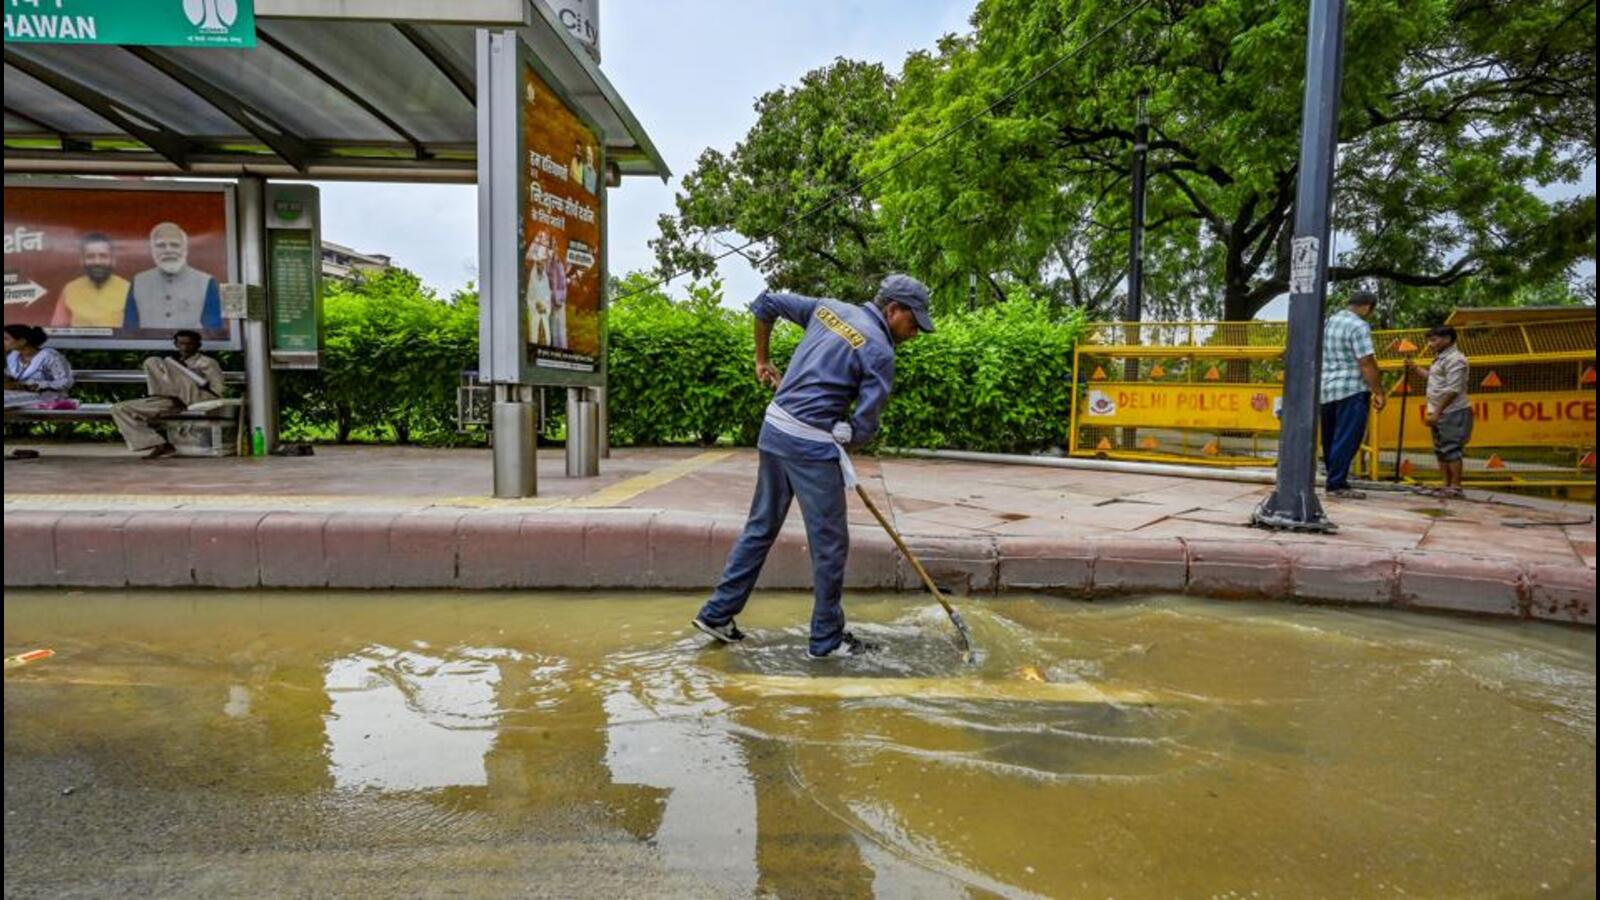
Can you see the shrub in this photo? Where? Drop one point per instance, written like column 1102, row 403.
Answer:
column 998, row 379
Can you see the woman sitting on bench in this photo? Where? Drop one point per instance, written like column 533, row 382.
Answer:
column 35, row 374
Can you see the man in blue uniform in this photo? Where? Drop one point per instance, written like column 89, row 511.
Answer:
column 846, row 357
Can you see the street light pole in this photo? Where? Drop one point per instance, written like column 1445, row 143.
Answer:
column 1293, row 504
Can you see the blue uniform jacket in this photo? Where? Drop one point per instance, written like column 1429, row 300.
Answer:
column 847, row 356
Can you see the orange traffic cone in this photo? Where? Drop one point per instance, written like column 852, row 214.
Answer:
column 1491, row 380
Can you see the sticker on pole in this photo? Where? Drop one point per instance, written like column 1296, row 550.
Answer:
column 1303, row 265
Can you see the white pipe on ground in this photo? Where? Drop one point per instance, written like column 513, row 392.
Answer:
column 1171, row 470
column 1243, row 476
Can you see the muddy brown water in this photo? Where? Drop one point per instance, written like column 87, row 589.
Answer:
column 319, row 744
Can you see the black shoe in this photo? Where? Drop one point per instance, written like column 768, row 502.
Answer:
column 727, row 634
column 849, row 645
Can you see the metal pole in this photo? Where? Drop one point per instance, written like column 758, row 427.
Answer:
column 603, row 426
column 1405, row 394
column 516, row 473
column 1134, row 309
column 502, row 352
column 583, row 445
column 260, row 392
column 1293, row 503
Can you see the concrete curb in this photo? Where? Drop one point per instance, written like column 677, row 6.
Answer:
column 637, row 548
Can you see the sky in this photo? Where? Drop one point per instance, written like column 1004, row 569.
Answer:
column 691, row 72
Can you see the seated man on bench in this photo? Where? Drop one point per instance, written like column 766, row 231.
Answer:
column 174, row 383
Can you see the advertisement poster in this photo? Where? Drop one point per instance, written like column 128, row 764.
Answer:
column 102, row 265
column 560, row 274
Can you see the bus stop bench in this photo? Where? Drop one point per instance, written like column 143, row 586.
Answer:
column 216, row 414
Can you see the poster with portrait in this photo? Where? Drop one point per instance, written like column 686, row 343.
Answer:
column 560, row 263
column 119, row 265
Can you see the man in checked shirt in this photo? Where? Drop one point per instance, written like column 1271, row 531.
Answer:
column 1350, row 387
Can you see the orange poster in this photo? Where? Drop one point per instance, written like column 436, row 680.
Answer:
column 102, row 264
column 560, row 280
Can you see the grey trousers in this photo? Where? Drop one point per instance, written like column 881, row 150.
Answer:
column 169, row 391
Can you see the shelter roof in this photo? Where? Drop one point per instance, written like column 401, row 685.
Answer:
column 358, row 89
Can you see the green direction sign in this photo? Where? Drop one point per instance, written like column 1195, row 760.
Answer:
column 158, row 23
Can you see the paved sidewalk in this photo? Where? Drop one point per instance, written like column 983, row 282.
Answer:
column 984, row 526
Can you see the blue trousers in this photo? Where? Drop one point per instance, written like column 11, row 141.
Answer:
column 820, row 488
column 1344, row 422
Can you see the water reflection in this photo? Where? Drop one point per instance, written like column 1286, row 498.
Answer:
column 406, row 720
column 666, row 729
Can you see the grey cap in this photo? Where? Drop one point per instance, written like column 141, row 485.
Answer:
column 910, row 293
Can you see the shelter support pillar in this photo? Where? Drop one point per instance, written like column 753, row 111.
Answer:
column 583, row 433
column 516, row 460
column 261, row 390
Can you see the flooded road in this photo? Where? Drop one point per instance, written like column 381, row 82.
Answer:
column 319, row 744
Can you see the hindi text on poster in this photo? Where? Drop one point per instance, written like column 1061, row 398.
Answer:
column 560, row 274
column 105, row 265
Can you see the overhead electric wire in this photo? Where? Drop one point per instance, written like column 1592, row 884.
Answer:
column 897, row 163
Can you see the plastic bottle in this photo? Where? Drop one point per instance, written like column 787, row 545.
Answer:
column 258, row 442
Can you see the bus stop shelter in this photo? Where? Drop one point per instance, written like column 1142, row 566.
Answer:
column 384, row 90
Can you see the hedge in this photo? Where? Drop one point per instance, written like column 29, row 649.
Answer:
column 997, row 379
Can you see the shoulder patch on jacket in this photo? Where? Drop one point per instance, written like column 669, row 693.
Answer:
column 839, row 326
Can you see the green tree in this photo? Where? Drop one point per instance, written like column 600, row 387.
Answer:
column 798, row 156
column 1454, row 113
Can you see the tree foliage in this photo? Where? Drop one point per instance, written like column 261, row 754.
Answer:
column 1457, row 119
column 1453, row 113
column 798, row 156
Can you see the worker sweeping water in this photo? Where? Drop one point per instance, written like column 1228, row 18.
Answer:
column 845, row 358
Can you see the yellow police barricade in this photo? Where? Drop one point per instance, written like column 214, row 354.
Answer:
column 1532, row 389
column 1209, row 393
column 1185, row 392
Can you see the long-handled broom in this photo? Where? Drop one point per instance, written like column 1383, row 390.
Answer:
column 963, row 637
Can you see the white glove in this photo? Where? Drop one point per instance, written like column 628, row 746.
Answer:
column 842, row 432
